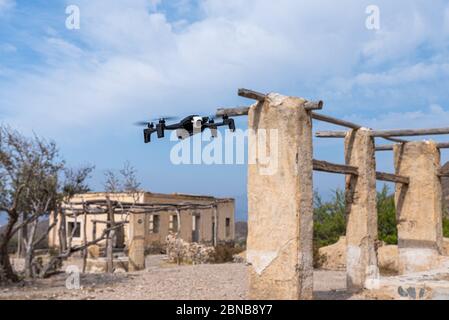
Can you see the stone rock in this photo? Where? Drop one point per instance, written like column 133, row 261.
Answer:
column 94, row 251
column 334, row 256
column 239, row 258
column 180, row 251
column 119, row 270
column 388, row 258
column 99, row 265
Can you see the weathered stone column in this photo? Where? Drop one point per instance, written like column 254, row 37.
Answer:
column 136, row 253
column 361, row 207
column 418, row 206
column 280, row 200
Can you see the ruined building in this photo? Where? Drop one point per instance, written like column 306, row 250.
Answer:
column 199, row 219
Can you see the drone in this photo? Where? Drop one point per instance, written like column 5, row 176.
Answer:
column 186, row 128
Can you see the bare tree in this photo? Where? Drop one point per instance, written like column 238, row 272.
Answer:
column 112, row 183
column 30, row 169
column 129, row 176
column 14, row 177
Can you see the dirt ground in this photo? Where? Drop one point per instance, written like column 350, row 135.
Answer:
column 161, row 281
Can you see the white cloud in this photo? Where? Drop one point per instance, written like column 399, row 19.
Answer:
column 6, row 4
column 131, row 61
column 433, row 116
column 7, row 48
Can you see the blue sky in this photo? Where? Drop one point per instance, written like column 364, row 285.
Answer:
column 136, row 59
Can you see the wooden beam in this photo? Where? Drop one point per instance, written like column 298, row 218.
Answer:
column 382, row 176
column 243, row 111
column 331, row 134
column 232, row 112
column 324, row 166
column 322, row 117
column 250, row 94
column 388, row 133
column 313, row 105
column 443, row 145
column 396, row 140
column 443, row 174
column 389, row 147
column 410, row 132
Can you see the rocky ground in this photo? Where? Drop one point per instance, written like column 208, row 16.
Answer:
column 164, row 282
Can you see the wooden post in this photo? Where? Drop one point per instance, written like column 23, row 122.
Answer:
column 85, row 238
column 136, row 253
column 111, row 236
column 215, row 225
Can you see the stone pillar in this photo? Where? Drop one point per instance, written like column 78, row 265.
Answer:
column 136, row 253
column 361, row 207
column 280, row 200
column 418, row 206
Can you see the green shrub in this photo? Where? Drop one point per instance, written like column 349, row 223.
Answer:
column 330, row 219
column 446, row 227
column 387, row 224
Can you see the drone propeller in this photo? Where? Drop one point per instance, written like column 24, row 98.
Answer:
column 142, row 123
column 152, row 121
column 164, row 118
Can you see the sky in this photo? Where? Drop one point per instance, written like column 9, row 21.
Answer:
column 140, row 59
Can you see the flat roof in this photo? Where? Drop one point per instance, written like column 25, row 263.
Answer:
column 159, row 195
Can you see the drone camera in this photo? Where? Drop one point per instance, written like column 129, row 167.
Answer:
column 182, row 134
column 147, row 135
column 197, row 122
column 160, row 131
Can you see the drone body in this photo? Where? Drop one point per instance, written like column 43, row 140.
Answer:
column 187, row 127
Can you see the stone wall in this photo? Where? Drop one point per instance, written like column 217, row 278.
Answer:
column 182, row 252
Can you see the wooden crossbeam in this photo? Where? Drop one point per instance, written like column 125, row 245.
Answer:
column 388, row 133
column 232, row 112
column 410, row 132
column 250, row 94
column 382, row 176
column 324, row 166
column 395, row 140
column 443, row 173
column 387, row 147
column 313, row 105
column 331, row 134
column 390, row 147
column 243, row 111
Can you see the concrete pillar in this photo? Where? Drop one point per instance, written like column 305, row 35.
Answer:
column 361, row 206
column 136, row 253
column 280, row 200
column 418, row 206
